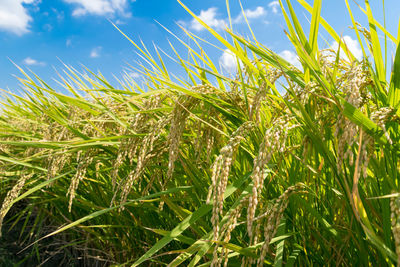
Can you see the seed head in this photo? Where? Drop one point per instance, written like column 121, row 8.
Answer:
column 11, row 195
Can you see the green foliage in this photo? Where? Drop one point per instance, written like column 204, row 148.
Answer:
column 210, row 169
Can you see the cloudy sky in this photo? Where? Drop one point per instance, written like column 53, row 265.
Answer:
column 41, row 35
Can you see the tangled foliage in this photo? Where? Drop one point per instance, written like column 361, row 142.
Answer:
column 278, row 165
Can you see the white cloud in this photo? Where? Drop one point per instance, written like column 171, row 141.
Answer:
column 68, row 43
column 134, row 75
column 59, row 14
column 256, row 13
column 14, row 16
column 48, row 27
column 33, row 62
column 290, row 57
column 99, row 7
column 119, row 22
column 95, row 52
column 182, row 23
column 228, row 61
column 351, row 44
column 274, row 5
column 251, row 14
column 209, row 17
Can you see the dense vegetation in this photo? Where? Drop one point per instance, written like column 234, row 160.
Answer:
column 209, row 169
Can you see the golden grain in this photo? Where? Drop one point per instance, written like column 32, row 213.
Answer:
column 84, row 159
column 274, row 141
column 11, row 195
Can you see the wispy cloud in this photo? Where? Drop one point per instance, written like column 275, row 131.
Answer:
column 95, row 53
column 134, row 75
column 274, row 5
column 99, row 7
column 14, row 16
column 48, row 27
column 209, row 16
column 33, row 62
column 351, row 44
column 68, row 43
column 291, row 57
column 59, row 14
column 258, row 12
column 228, row 61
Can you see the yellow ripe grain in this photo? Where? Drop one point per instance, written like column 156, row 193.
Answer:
column 83, row 163
column 11, row 195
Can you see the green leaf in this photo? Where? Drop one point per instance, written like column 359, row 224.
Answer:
column 315, row 21
column 394, row 89
column 186, row 223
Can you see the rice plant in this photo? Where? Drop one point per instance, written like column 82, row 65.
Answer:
column 277, row 166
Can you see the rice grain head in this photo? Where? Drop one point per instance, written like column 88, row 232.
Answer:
column 274, row 141
column 11, row 195
column 274, row 219
column 383, row 115
column 146, row 153
column 353, row 84
column 272, row 75
column 140, row 123
column 220, row 173
column 84, row 159
column 178, row 123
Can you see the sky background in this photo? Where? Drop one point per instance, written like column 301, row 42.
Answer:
column 41, row 35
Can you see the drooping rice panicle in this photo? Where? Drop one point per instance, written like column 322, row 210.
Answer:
column 179, row 116
column 84, row 159
column 274, row 218
column 145, row 154
column 272, row 75
column 274, row 141
column 354, row 84
column 12, row 195
column 220, row 174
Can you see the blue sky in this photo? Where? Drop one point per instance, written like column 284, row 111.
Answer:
column 43, row 34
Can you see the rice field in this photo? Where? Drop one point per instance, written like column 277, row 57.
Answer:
column 276, row 166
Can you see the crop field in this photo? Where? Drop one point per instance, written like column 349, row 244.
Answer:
column 277, row 165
